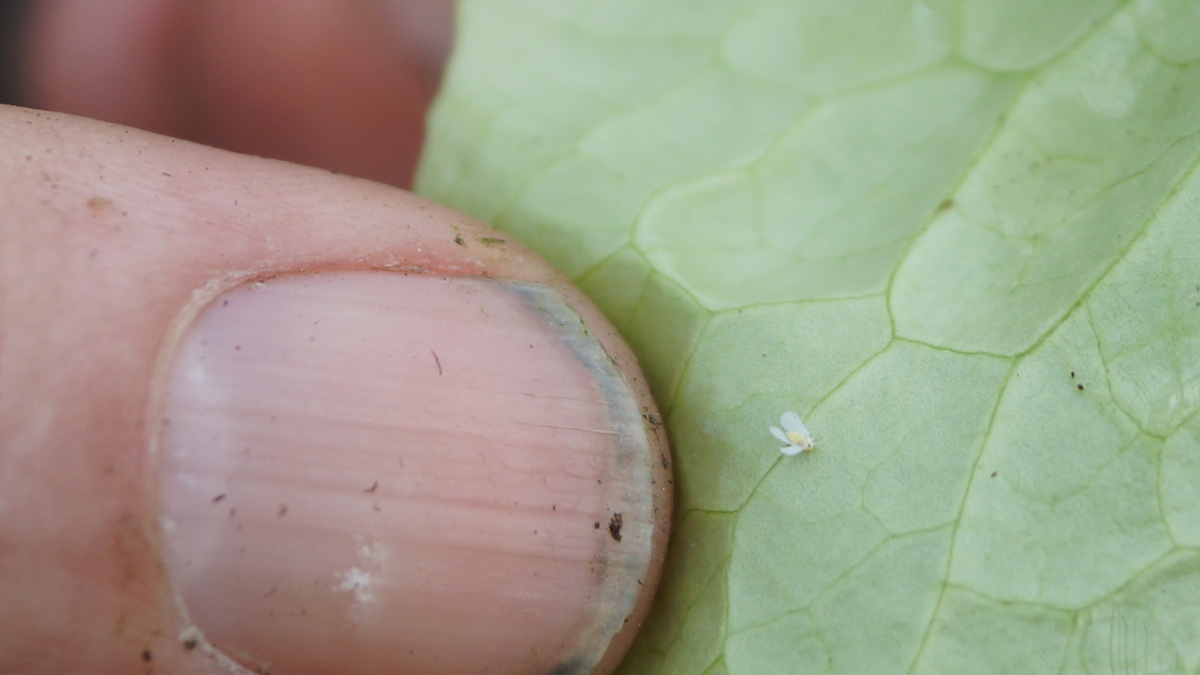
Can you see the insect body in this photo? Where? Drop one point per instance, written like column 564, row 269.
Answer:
column 794, row 433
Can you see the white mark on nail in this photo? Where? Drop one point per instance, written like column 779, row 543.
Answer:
column 360, row 579
column 358, row 582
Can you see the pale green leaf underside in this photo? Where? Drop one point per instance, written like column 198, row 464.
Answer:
column 960, row 238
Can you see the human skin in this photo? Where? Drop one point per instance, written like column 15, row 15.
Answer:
column 338, row 85
column 113, row 242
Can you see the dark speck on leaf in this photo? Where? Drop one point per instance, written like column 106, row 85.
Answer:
column 1080, row 387
column 1072, row 374
column 993, row 474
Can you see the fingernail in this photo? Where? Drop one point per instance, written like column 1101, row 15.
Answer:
column 370, row 472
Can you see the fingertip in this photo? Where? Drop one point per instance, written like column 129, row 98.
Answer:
column 122, row 553
column 337, row 85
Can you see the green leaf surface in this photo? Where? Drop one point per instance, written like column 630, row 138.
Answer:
column 961, row 238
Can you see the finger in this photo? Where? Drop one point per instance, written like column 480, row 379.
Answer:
column 339, row 85
column 261, row 414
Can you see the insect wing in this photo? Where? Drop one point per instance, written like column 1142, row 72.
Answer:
column 778, row 433
column 791, row 422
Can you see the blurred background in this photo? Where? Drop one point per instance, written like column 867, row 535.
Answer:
column 337, row 84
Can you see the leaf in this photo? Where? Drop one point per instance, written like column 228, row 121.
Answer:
column 961, row 239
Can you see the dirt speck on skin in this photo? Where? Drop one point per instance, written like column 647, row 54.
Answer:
column 491, row 241
column 97, row 203
column 459, row 240
column 614, row 526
